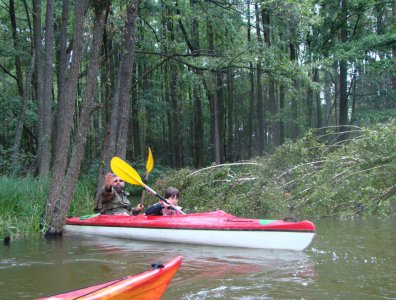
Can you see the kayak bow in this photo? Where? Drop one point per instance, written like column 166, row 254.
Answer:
column 150, row 284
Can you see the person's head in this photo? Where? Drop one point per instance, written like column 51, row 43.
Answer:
column 117, row 183
column 172, row 194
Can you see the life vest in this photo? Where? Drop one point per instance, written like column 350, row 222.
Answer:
column 170, row 211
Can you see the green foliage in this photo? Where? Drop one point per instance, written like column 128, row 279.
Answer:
column 84, row 198
column 302, row 179
column 11, row 106
column 369, row 116
column 316, row 174
column 22, row 203
column 240, row 188
column 18, row 167
column 305, row 178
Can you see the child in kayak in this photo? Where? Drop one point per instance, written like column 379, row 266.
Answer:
column 162, row 208
column 114, row 199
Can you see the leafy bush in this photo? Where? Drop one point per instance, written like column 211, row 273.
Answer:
column 319, row 175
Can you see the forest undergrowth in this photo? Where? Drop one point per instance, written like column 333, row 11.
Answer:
column 322, row 174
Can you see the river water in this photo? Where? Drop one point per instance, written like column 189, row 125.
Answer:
column 347, row 260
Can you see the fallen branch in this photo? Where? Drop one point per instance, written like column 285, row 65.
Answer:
column 387, row 191
column 222, row 165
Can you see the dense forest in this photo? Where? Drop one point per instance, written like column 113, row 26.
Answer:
column 200, row 82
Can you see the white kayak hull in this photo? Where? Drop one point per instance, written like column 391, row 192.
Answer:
column 287, row 240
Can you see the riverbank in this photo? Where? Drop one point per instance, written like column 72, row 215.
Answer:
column 319, row 175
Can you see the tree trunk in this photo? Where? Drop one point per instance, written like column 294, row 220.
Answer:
column 250, row 132
column 343, row 104
column 108, row 86
column 63, row 51
column 216, row 119
column 198, row 140
column 294, row 107
column 115, row 140
column 211, row 88
column 220, row 113
column 22, row 114
column 168, row 97
column 117, row 134
column 260, row 99
column 250, row 127
column 343, row 109
column 57, row 207
column 135, row 126
column 394, row 49
column 88, row 106
column 230, row 113
column 327, row 96
column 274, row 127
column 45, row 114
column 175, row 142
column 38, row 78
column 282, row 95
column 318, row 101
column 18, row 67
column 309, row 111
column 125, row 80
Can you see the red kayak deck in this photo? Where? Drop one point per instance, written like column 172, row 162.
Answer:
column 150, row 284
column 216, row 220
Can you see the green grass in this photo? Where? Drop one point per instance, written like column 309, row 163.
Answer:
column 22, row 203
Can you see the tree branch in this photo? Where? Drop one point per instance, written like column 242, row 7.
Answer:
column 223, row 165
column 7, row 72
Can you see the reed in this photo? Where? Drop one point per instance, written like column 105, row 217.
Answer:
column 22, row 203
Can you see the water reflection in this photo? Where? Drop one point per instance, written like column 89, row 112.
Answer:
column 40, row 267
column 347, row 260
column 218, row 272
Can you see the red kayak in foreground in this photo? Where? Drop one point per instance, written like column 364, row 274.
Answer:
column 215, row 228
column 150, row 284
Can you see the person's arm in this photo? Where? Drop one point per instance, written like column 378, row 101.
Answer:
column 136, row 210
column 154, row 210
column 107, row 193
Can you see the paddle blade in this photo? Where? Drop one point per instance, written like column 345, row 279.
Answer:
column 123, row 170
column 150, row 161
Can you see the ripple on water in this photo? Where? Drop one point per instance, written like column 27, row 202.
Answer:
column 347, row 260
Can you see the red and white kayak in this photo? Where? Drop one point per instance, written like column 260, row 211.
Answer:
column 150, row 284
column 215, row 228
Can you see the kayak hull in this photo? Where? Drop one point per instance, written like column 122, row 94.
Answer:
column 213, row 228
column 236, row 238
column 150, row 284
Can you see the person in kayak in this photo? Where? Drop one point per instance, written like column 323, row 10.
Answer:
column 114, row 199
column 162, row 208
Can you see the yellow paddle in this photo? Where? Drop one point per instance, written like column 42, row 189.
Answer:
column 149, row 167
column 123, row 170
column 150, row 162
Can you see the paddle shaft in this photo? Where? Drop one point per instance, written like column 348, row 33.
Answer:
column 123, row 170
column 154, row 193
column 145, row 180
